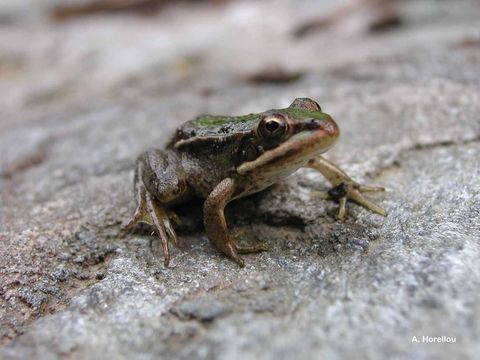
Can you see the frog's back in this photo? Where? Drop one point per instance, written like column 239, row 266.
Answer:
column 213, row 126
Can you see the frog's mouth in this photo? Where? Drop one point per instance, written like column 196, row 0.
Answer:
column 316, row 138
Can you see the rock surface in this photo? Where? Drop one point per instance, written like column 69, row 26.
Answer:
column 83, row 98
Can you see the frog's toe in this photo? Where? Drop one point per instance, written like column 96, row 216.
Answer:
column 139, row 216
column 172, row 236
column 239, row 261
column 126, row 227
column 250, row 249
column 357, row 196
column 162, row 226
column 364, row 188
column 230, row 249
column 342, row 203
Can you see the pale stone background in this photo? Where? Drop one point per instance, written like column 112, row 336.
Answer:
column 81, row 98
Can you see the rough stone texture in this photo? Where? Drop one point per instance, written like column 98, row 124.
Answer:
column 81, row 99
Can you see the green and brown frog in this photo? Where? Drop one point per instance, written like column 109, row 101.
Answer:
column 223, row 158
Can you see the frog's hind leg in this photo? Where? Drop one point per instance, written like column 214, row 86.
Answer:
column 344, row 188
column 149, row 209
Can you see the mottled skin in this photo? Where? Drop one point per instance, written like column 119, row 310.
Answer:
column 221, row 158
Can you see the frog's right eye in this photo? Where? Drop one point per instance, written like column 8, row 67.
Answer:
column 272, row 127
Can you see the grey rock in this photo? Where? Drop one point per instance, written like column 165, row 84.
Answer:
column 206, row 309
column 81, row 104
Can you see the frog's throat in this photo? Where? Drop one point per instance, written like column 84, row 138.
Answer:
column 303, row 145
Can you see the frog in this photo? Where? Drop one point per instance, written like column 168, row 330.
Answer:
column 223, row 158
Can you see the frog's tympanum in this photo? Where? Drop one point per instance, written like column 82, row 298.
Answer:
column 223, row 158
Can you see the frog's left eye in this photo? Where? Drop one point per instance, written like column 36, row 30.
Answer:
column 273, row 127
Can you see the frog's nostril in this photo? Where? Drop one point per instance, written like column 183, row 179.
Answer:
column 327, row 124
column 313, row 124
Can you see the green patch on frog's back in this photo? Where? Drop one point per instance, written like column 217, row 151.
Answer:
column 222, row 127
column 214, row 120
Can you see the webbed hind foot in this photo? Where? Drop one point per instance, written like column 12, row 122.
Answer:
column 150, row 211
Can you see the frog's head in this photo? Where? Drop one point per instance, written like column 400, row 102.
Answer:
column 288, row 136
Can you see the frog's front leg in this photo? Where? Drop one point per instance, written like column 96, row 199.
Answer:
column 216, row 226
column 344, row 187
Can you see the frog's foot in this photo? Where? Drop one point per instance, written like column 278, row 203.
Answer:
column 150, row 211
column 232, row 250
column 344, row 188
column 350, row 190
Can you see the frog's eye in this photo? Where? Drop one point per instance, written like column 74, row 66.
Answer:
column 272, row 127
